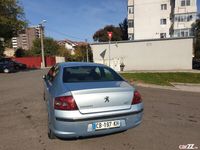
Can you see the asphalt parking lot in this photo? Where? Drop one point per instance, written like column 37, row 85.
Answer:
column 171, row 118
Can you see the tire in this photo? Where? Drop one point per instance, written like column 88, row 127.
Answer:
column 6, row 70
column 17, row 68
column 50, row 133
column 44, row 96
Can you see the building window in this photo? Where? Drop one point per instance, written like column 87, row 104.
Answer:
column 131, row 23
column 131, row 36
column 185, row 2
column 130, row 9
column 185, row 17
column 163, row 6
column 188, row 2
column 163, row 35
column 163, row 21
column 182, row 33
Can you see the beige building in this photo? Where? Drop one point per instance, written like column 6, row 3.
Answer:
column 26, row 37
column 153, row 19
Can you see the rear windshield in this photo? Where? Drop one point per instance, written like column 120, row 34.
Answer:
column 89, row 74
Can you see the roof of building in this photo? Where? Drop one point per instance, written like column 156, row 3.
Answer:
column 73, row 43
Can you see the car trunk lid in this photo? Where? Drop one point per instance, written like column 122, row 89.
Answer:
column 96, row 97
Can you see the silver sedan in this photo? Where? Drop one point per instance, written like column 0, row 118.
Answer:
column 88, row 99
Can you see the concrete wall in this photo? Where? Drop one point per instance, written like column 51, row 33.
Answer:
column 167, row 54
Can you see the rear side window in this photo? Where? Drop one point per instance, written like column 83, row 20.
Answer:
column 52, row 73
column 89, row 74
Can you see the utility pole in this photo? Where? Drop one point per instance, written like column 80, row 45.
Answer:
column 87, row 50
column 109, row 37
column 42, row 43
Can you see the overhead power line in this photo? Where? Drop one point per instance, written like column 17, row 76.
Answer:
column 64, row 34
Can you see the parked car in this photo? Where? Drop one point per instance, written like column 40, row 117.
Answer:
column 196, row 63
column 7, row 66
column 88, row 99
column 17, row 65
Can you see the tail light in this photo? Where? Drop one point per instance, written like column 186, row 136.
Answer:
column 65, row 103
column 136, row 98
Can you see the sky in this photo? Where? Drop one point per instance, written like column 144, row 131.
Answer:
column 75, row 19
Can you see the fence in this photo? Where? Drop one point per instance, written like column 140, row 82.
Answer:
column 35, row 62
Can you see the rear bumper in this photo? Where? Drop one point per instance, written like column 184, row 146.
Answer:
column 83, row 128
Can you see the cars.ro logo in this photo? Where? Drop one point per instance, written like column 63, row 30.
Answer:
column 188, row 146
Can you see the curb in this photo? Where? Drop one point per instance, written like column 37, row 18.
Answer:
column 187, row 87
column 161, row 71
column 155, row 86
column 185, row 84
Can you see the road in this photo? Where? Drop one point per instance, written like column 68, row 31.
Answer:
column 171, row 118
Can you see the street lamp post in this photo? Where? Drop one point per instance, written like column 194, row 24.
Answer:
column 42, row 43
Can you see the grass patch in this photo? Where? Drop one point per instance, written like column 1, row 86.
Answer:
column 163, row 78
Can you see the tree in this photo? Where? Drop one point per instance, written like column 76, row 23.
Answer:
column 62, row 51
column 11, row 20
column 196, row 31
column 124, row 29
column 51, row 47
column 1, row 49
column 119, row 32
column 102, row 36
column 81, row 53
column 20, row 52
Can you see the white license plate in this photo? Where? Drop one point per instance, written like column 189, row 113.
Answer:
column 106, row 125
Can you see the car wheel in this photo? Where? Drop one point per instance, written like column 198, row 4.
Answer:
column 6, row 70
column 50, row 133
column 44, row 96
column 17, row 67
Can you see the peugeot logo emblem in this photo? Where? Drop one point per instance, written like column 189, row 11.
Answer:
column 106, row 99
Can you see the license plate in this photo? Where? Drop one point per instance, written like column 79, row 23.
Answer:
column 106, row 125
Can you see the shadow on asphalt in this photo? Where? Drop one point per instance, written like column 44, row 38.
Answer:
column 27, row 70
column 89, row 137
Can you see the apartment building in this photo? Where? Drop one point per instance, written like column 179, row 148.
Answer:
column 153, row 19
column 26, row 37
column 185, row 13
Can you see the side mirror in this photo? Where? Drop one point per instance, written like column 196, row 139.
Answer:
column 44, row 77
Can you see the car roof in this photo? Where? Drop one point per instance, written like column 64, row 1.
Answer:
column 74, row 64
